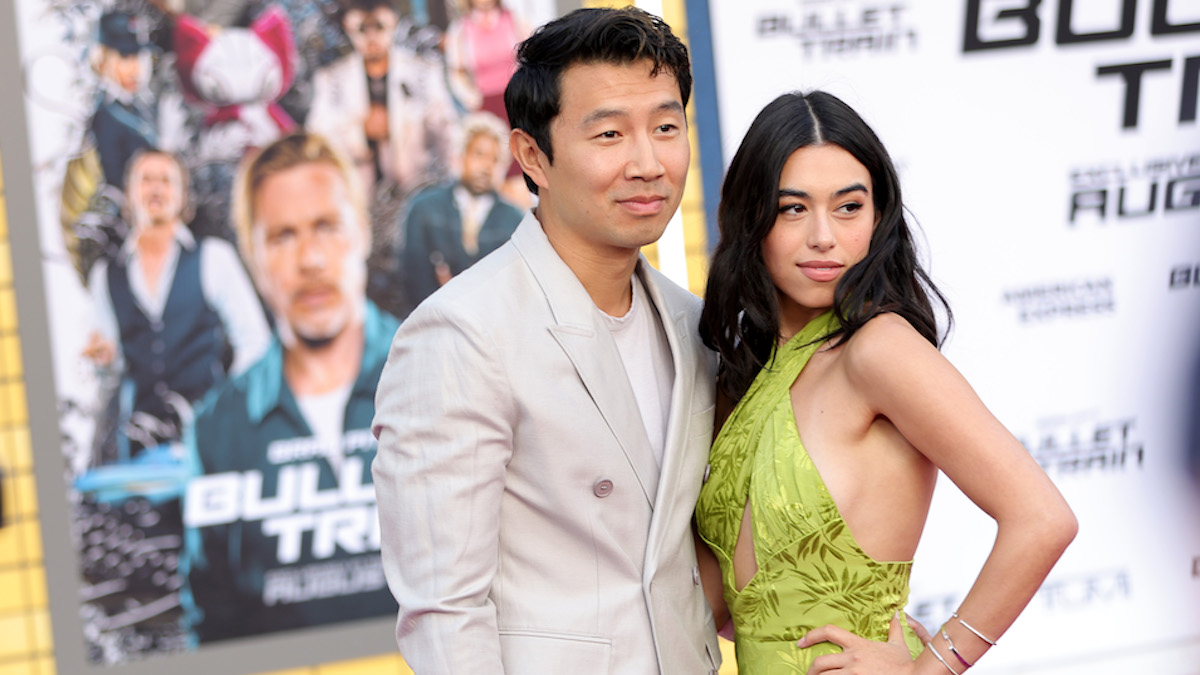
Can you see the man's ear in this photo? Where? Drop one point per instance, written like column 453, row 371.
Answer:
column 531, row 158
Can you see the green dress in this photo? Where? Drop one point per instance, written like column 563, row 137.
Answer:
column 811, row 571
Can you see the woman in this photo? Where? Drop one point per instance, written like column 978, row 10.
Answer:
column 481, row 54
column 822, row 318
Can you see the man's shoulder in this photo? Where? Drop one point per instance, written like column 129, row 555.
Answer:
column 507, row 210
column 335, row 67
column 493, row 289
column 437, row 194
column 225, row 401
column 215, row 247
column 226, row 405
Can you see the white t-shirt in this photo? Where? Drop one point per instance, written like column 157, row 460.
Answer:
column 326, row 414
column 642, row 343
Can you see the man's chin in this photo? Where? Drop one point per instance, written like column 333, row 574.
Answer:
column 310, row 337
column 315, row 343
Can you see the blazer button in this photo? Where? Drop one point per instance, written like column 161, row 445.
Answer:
column 707, row 470
column 602, row 488
column 696, row 575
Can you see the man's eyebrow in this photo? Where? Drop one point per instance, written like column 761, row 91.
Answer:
column 601, row 114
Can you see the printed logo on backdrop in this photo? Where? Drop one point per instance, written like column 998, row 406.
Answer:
column 931, row 610
column 1122, row 192
column 1090, row 590
column 1086, row 591
column 1185, row 276
column 1083, row 446
column 1062, row 300
column 1005, row 24
column 842, row 28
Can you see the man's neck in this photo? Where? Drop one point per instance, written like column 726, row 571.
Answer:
column 317, row 369
column 605, row 274
column 376, row 66
column 153, row 247
column 156, row 237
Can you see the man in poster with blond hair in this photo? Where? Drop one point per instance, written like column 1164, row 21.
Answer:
column 282, row 528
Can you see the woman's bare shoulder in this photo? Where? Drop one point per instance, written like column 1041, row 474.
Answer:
column 887, row 347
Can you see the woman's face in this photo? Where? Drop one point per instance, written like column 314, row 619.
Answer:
column 822, row 227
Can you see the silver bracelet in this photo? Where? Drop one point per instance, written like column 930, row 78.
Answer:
column 972, row 629
column 953, row 649
column 939, row 658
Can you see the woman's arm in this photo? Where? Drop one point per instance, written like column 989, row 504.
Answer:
column 710, row 580
column 904, row 378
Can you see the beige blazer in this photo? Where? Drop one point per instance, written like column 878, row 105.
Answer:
column 526, row 526
column 420, row 117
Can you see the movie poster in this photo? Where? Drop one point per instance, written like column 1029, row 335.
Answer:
column 237, row 207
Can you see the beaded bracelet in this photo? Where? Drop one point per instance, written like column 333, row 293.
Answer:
column 953, row 650
column 972, row 629
column 939, row 658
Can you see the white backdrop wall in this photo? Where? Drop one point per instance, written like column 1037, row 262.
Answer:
column 1049, row 154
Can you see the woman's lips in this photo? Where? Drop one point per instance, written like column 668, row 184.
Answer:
column 821, row 270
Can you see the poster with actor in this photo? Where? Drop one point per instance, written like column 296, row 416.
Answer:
column 221, row 220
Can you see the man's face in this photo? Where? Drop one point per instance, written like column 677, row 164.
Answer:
column 620, row 158
column 310, row 252
column 155, row 190
column 371, row 33
column 124, row 69
column 479, row 163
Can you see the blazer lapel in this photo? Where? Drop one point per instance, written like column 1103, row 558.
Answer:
column 678, row 457
column 589, row 346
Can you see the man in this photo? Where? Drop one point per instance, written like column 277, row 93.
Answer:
column 385, row 106
column 450, row 227
column 281, row 516
column 544, row 418
column 167, row 308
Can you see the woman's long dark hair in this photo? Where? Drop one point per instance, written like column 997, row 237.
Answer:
column 741, row 305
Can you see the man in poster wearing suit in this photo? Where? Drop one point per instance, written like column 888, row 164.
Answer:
column 384, row 105
column 449, row 227
column 544, row 418
column 282, row 531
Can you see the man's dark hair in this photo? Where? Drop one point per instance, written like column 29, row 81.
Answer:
column 586, row 36
column 402, row 8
